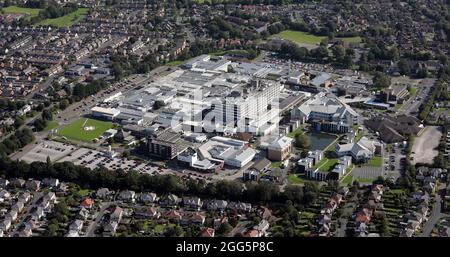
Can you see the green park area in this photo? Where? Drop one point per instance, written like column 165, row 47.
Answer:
column 327, row 163
column 296, row 132
column 66, row 20
column 350, row 39
column 85, row 129
column 174, row 63
column 376, row 161
column 51, row 125
column 29, row 12
column 347, row 179
column 295, row 179
column 412, row 91
column 299, row 37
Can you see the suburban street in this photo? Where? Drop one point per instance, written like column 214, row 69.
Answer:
column 96, row 220
column 435, row 216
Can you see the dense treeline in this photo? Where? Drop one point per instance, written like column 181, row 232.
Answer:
column 42, row 122
column 16, row 141
column 247, row 2
column 439, row 93
column 50, row 10
column 123, row 66
column 81, row 91
column 118, row 179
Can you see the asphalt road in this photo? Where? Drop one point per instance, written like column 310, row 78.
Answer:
column 412, row 104
column 98, row 216
column 435, row 216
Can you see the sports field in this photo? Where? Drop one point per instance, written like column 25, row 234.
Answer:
column 299, row 37
column 66, row 20
column 29, row 12
column 350, row 39
column 85, row 129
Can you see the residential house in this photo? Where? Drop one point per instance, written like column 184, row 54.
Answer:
column 18, row 206
column 102, row 193
column 193, row 218
column 24, row 197
column 33, row 185
column 83, row 214
column 148, row 197
column 4, row 195
column 87, row 203
column 239, row 207
column 193, row 203
column 280, row 149
column 127, row 196
column 207, row 232
column 5, row 224
column 149, row 212
column 12, row 215
column 262, row 227
column 172, row 216
column 116, row 214
column 170, row 200
column 110, row 228
column 76, row 225
column 50, row 182
column 220, row 205
column 17, row 182
column 26, row 232
column 4, row 183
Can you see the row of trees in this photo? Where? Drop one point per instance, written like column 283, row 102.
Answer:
column 439, row 93
column 41, row 123
column 50, row 10
column 81, row 91
column 123, row 66
column 118, row 179
column 16, row 141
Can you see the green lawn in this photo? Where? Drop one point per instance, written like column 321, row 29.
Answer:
column 224, row 52
column 275, row 164
column 51, row 125
column 359, row 135
column 365, row 180
column 159, row 228
column 327, row 165
column 299, row 37
column 412, row 91
column 296, row 132
column 376, row 161
column 66, row 20
column 76, row 130
column 29, row 12
column 350, row 39
column 83, row 192
column 174, row 63
column 347, row 180
column 294, row 179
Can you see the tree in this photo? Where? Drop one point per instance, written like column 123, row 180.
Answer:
column 18, row 122
column 47, row 115
column 52, row 230
column 64, row 104
column 403, row 67
column 40, row 124
column 302, row 141
column 381, row 80
column 158, row 104
column 224, row 229
column 422, row 73
column 440, row 161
